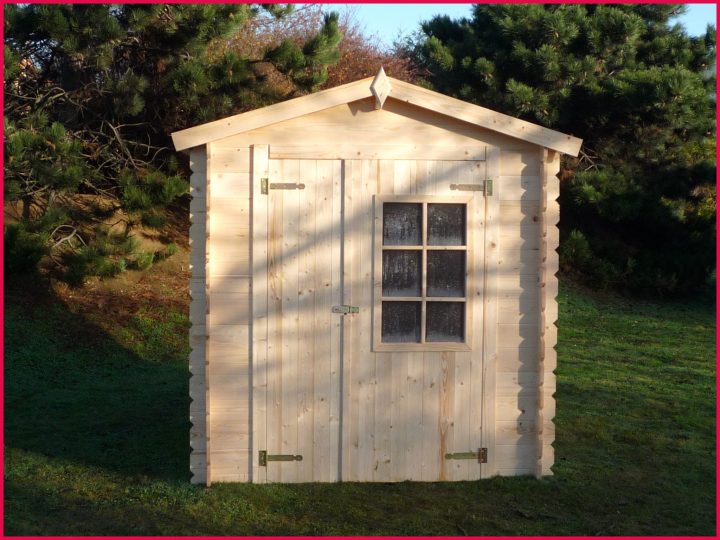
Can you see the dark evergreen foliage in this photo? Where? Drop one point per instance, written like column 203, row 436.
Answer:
column 92, row 93
column 638, row 206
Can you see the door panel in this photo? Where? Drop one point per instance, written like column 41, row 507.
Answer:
column 301, row 413
column 403, row 411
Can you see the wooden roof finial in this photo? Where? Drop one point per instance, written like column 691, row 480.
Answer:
column 380, row 88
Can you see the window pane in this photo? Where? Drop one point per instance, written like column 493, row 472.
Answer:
column 401, row 273
column 401, row 322
column 402, row 224
column 446, row 224
column 445, row 273
column 445, row 321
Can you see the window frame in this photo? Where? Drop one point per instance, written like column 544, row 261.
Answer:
column 471, row 287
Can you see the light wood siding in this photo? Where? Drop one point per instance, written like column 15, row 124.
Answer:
column 397, row 413
column 548, row 312
column 228, row 319
column 358, row 131
column 519, row 192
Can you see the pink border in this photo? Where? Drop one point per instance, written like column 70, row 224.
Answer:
column 2, row 275
column 2, row 295
column 717, row 297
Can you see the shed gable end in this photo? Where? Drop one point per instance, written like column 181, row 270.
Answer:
column 402, row 91
column 358, row 130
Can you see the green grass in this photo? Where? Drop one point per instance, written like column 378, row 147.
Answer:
column 96, row 437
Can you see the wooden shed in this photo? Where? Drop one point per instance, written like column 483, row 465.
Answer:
column 373, row 289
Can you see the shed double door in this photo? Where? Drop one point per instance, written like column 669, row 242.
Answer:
column 327, row 405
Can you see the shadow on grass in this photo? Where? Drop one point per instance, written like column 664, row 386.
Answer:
column 97, row 437
column 73, row 392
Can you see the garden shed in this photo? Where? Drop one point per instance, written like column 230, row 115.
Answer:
column 373, row 289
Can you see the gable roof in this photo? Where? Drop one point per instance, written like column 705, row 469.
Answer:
column 402, row 91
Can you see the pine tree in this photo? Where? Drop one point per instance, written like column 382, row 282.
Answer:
column 92, row 93
column 638, row 206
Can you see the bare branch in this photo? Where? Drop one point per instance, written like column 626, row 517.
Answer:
column 121, row 142
column 67, row 238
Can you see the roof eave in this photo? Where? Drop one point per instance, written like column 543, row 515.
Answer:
column 406, row 92
column 272, row 114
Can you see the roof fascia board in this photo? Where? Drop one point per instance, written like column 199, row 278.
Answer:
column 480, row 116
column 232, row 125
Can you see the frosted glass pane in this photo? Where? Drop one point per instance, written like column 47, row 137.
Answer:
column 445, row 273
column 401, row 273
column 402, row 224
column 401, row 322
column 446, row 224
column 445, row 321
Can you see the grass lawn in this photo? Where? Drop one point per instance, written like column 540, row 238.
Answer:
column 96, row 432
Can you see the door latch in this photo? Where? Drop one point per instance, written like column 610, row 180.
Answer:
column 485, row 186
column 265, row 186
column 480, row 455
column 345, row 309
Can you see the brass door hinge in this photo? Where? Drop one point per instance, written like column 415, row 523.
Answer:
column 485, row 186
column 264, row 457
column 480, row 455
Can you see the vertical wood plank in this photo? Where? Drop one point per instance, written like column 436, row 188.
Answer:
column 352, row 377
column 431, row 459
column 447, row 402
column 432, row 372
column 415, row 432
column 476, row 224
column 414, row 417
column 383, row 361
column 398, row 416
column 364, row 319
column 259, row 323
column 361, row 291
column 275, row 328
column 383, row 421
column 323, row 458
column 403, row 184
column 306, row 322
column 490, row 307
column 462, row 469
column 335, row 330
column 290, row 320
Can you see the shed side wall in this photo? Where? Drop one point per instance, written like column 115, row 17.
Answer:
column 198, row 311
column 518, row 311
column 547, row 356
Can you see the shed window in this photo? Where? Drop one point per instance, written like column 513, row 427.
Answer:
column 424, row 256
